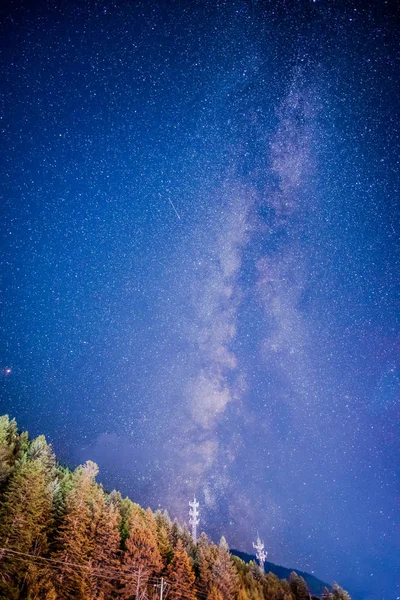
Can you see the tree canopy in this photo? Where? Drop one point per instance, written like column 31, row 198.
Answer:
column 62, row 537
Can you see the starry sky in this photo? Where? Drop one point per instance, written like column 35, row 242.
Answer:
column 200, row 263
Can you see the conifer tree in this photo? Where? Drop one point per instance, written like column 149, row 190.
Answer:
column 12, row 447
column 180, row 575
column 89, row 539
column 224, row 573
column 255, row 571
column 276, row 589
column 163, row 519
column 149, row 521
column 8, row 435
column 215, row 594
column 141, row 558
column 125, row 508
column 103, row 547
column 175, row 533
column 25, row 518
column 298, row 587
column 164, row 546
column 206, row 556
column 337, row 593
column 187, row 541
column 104, row 561
column 75, row 542
column 250, row 579
column 243, row 595
column 61, row 486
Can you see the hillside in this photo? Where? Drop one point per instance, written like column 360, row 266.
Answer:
column 315, row 585
column 63, row 537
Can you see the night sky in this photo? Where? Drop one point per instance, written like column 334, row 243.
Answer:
column 200, row 264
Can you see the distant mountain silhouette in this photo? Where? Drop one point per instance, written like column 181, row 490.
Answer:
column 315, row 585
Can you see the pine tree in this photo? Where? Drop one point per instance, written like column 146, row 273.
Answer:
column 181, row 576
column 25, row 519
column 12, row 447
column 106, row 543
column 141, row 557
column 215, row 594
column 75, row 543
column 61, row 486
column 274, row 588
column 8, row 436
column 89, row 538
column 164, row 546
column 298, row 587
column 101, row 546
column 163, row 519
column 255, row 571
column 338, row 593
column 125, row 508
column 243, row 595
column 206, row 555
column 224, row 574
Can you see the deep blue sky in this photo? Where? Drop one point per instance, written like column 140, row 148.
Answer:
column 200, row 253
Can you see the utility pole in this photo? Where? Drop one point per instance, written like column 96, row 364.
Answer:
column 260, row 552
column 194, row 518
column 163, row 587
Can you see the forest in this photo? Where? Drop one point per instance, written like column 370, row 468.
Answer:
column 62, row 536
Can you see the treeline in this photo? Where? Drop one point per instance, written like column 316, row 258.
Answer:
column 63, row 537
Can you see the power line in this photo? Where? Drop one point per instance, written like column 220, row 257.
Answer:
column 106, row 573
column 112, row 573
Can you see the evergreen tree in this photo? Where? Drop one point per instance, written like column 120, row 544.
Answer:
column 125, row 508
column 12, row 447
column 275, row 589
column 286, row 591
column 326, row 594
column 164, row 546
column 180, row 575
column 224, row 574
column 178, row 532
column 206, row 555
column 64, row 538
column 298, row 587
column 89, row 539
column 60, row 488
column 163, row 519
column 25, row 519
column 8, row 437
column 215, row 594
column 104, row 561
column 255, row 570
column 249, row 579
column 337, row 593
column 243, row 595
column 75, row 540
column 141, row 558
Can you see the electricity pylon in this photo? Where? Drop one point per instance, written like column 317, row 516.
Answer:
column 194, row 518
column 260, row 552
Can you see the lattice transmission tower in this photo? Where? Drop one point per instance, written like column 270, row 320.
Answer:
column 194, row 517
column 261, row 554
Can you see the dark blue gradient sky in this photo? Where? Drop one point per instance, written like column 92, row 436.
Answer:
column 200, row 250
